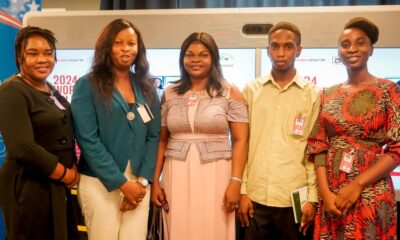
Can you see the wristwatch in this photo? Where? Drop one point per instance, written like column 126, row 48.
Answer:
column 143, row 181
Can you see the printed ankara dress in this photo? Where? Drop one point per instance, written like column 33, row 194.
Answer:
column 358, row 124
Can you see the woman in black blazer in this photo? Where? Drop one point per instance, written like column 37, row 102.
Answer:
column 36, row 125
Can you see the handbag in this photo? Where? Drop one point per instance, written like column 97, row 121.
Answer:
column 156, row 229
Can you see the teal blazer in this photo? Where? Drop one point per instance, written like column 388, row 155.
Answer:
column 108, row 140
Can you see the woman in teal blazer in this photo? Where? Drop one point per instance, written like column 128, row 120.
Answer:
column 117, row 118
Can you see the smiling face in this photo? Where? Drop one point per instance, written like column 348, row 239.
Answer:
column 354, row 49
column 36, row 59
column 124, row 49
column 197, row 61
column 283, row 49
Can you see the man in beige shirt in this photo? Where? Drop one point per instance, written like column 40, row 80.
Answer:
column 282, row 110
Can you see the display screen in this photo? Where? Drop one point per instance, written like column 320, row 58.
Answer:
column 238, row 66
column 323, row 67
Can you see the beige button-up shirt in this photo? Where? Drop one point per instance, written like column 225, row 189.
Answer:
column 276, row 165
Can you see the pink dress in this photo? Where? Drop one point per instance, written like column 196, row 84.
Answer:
column 197, row 164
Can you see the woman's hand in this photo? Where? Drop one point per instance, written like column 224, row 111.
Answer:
column 347, row 196
column 71, row 177
column 126, row 205
column 133, row 192
column 157, row 194
column 329, row 204
column 232, row 196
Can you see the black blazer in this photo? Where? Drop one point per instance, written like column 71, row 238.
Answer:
column 37, row 135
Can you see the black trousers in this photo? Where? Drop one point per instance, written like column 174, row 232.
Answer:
column 273, row 223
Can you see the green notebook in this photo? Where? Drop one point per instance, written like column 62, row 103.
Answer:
column 299, row 198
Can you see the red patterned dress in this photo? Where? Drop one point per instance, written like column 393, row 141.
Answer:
column 359, row 123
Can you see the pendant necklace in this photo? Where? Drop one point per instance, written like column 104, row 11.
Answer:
column 191, row 100
column 130, row 115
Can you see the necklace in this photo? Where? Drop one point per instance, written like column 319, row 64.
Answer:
column 193, row 95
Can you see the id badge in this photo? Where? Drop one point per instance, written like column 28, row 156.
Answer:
column 347, row 162
column 57, row 103
column 145, row 113
column 191, row 100
column 299, row 125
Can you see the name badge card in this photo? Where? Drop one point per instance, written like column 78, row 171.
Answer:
column 145, row 113
column 347, row 162
column 298, row 125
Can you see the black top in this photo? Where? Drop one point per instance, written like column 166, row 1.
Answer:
column 37, row 135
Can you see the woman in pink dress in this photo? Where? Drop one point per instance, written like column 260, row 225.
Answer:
column 203, row 147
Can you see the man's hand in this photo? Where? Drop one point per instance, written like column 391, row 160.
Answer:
column 245, row 210
column 307, row 217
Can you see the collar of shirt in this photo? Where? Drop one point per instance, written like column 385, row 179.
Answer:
column 296, row 80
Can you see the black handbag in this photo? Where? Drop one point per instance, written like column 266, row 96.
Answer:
column 155, row 229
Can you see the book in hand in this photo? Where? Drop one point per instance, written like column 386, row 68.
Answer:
column 299, row 198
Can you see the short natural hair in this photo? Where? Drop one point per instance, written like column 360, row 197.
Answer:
column 365, row 25
column 288, row 26
column 23, row 36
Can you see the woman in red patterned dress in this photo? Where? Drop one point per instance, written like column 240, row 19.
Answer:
column 355, row 144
